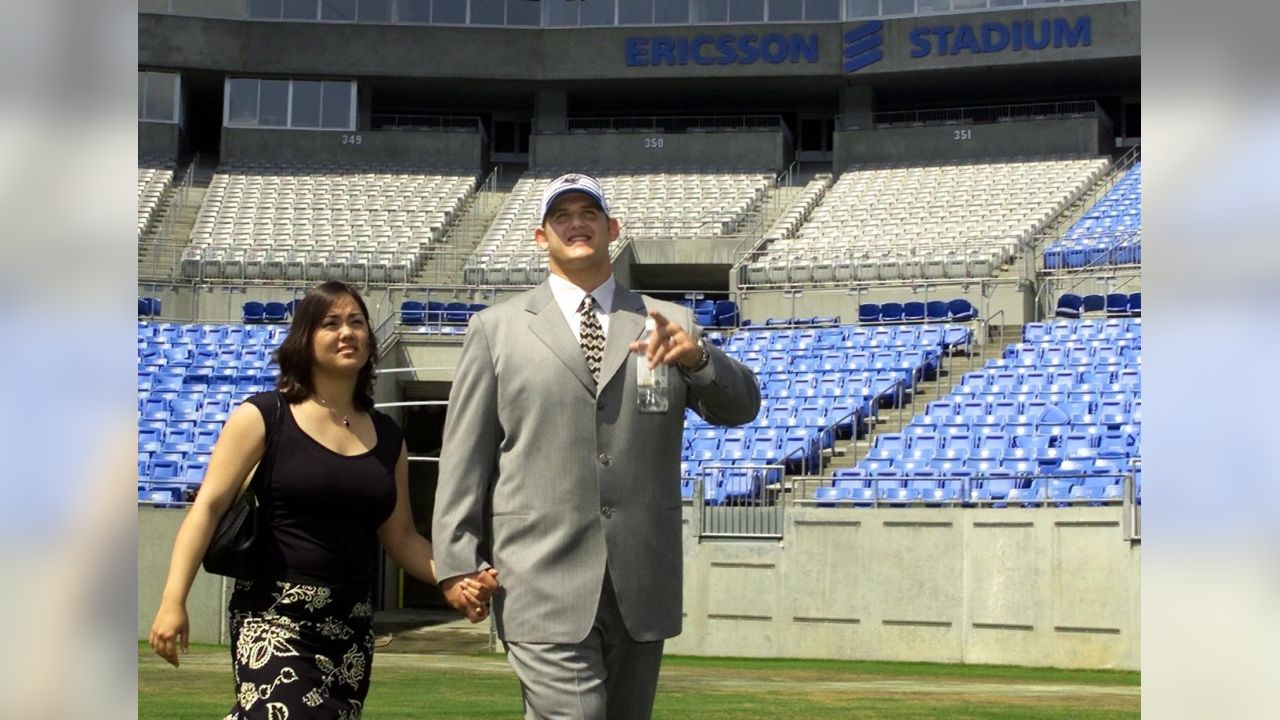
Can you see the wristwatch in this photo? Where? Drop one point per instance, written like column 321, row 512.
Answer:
column 703, row 359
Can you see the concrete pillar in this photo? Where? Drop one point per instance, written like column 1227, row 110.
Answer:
column 856, row 105
column 551, row 111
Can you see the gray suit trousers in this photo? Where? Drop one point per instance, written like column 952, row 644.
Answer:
column 607, row 676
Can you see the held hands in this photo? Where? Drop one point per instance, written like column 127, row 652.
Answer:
column 669, row 344
column 470, row 594
column 170, row 631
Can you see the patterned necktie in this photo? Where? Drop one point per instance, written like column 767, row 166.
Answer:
column 591, row 336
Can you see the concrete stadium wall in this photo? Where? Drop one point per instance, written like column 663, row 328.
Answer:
column 225, row 303
column 419, row 148
column 216, row 303
column 550, row 55
column 207, row 602
column 1006, row 303
column 1036, row 587
column 1040, row 587
column 159, row 139
column 951, row 143
column 749, row 150
column 686, row 251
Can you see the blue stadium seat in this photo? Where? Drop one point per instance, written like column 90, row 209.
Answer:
column 1069, row 306
column 435, row 312
column 891, row 312
column 457, row 312
column 726, row 313
column 894, row 442
column 937, row 311
column 1092, row 303
column 869, row 313
column 913, row 311
column 164, row 469
column 253, row 312
column 851, row 477
column 275, row 312
column 828, row 495
column 704, row 312
column 962, row 310
column 1135, row 304
column 413, row 312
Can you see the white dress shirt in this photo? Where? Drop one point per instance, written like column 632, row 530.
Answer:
column 569, row 298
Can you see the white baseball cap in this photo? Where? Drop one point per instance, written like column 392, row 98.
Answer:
column 572, row 182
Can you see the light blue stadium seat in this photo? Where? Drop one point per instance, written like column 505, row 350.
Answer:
column 828, row 496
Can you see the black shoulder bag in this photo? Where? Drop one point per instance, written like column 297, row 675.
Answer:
column 230, row 551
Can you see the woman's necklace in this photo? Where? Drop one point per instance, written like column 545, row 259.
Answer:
column 345, row 422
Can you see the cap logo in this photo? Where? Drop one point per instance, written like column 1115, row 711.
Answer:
column 573, row 182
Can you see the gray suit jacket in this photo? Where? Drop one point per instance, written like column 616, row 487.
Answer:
column 549, row 480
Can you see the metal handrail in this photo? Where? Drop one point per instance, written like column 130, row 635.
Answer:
column 772, row 511
column 787, row 177
column 675, row 123
column 802, row 491
column 1113, row 174
column 179, row 198
column 401, row 121
column 982, row 114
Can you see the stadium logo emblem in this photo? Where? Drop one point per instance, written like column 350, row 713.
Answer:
column 862, row 45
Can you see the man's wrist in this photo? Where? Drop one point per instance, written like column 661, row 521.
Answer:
column 703, row 358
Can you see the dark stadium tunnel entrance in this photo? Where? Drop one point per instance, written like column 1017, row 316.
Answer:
column 202, row 112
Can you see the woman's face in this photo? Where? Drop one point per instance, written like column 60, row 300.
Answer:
column 341, row 342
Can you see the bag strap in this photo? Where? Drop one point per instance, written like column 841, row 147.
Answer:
column 268, row 454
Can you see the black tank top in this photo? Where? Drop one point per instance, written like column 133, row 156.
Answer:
column 322, row 509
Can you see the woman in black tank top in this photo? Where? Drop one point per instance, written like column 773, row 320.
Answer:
column 302, row 625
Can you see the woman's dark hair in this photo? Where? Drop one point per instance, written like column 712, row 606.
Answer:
column 294, row 356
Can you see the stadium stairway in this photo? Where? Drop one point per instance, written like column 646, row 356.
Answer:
column 893, row 419
column 1063, row 221
column 777, row 201
column 1059, row 223
column 160, row 259
column 445, row 266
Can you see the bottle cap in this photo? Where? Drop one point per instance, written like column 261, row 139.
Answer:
column 650, row 324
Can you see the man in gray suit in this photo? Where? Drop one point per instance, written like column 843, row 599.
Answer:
column 551, row 474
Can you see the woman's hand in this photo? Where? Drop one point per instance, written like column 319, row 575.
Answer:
column 170, row 631
column 470, row 594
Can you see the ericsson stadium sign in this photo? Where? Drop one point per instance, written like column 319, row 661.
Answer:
column 866, row 44
column 994, row 37
column 726, row 49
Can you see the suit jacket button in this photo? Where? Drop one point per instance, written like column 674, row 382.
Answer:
column 605, row 459
column 606, row 511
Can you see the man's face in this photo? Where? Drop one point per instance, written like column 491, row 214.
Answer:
column 576, row 235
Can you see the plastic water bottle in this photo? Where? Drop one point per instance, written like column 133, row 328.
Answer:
column 651, row 384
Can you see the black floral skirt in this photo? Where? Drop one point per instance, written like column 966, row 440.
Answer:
column 300, row 651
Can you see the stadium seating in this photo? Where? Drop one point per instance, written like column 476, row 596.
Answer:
column 1057, row 419
column 437, row 316
column 672, row 204
column 1110, row 233
column 907, row 222
column 934, row 311
column 817, row 383
column 1070, row 306
column 154, row 180
column 148, row 307
column 190, row 376
column 360, row 223
column 1115, row 304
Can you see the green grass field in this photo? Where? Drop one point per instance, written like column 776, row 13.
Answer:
column 468, row 686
